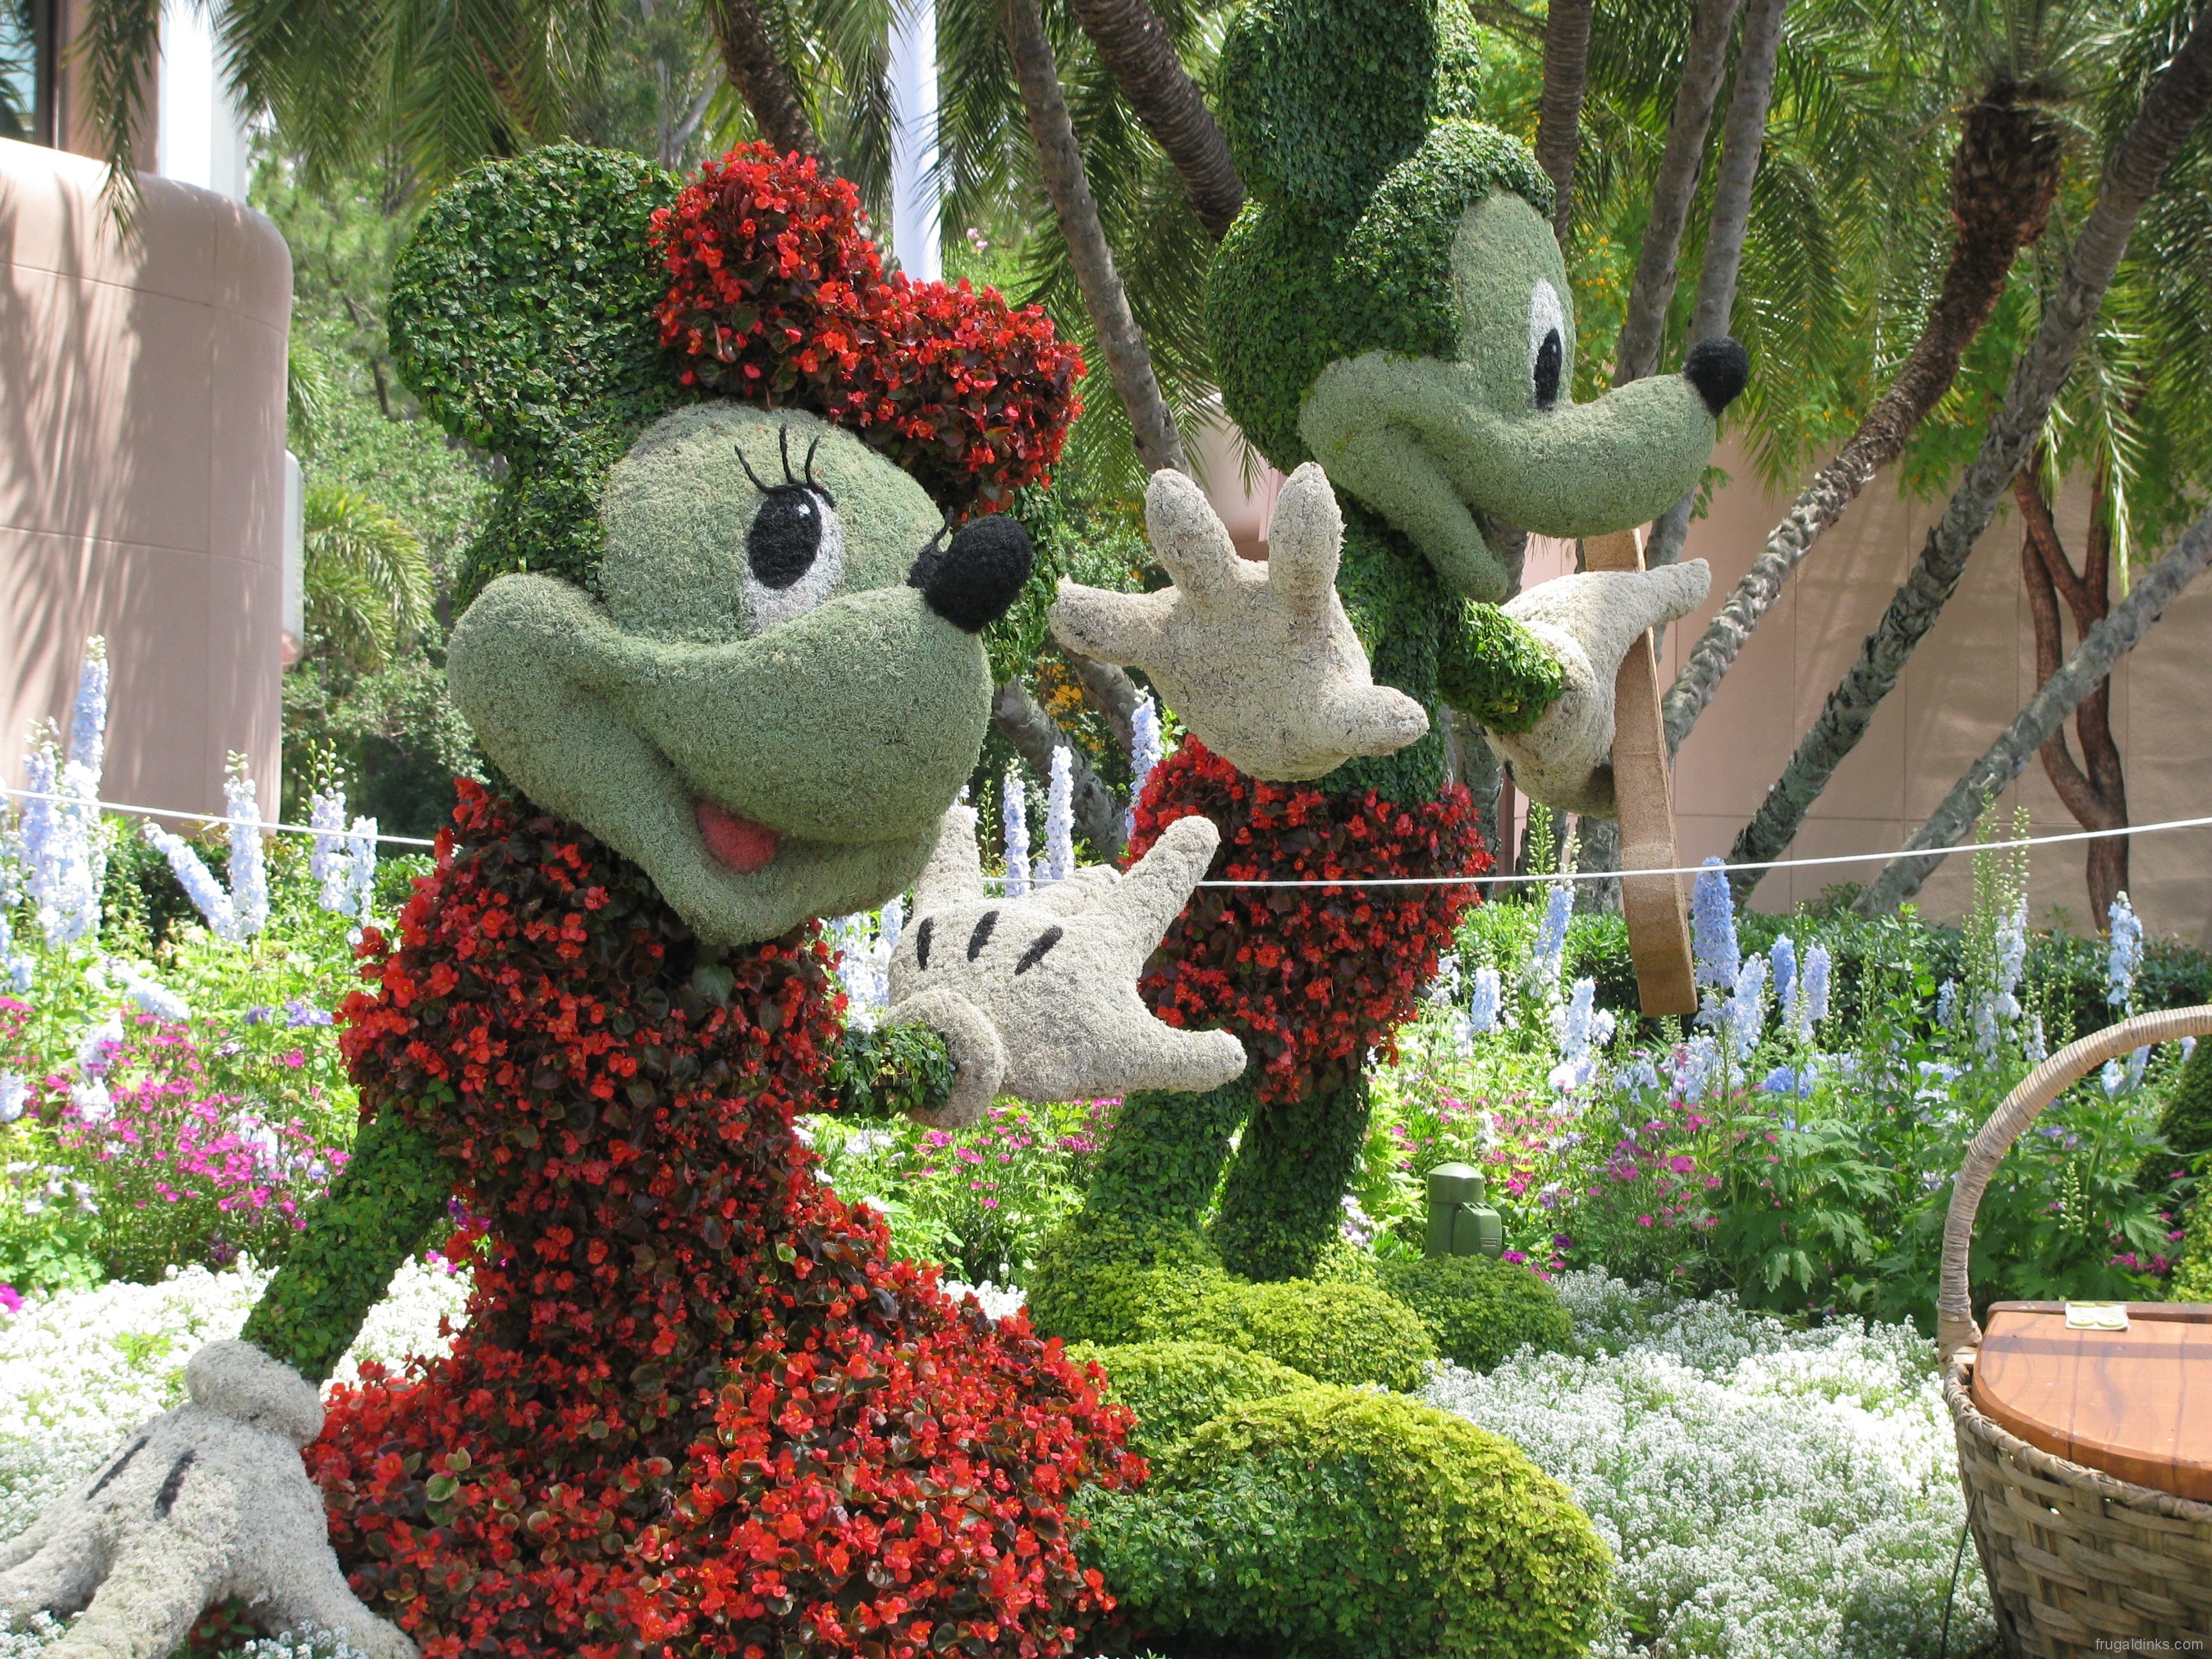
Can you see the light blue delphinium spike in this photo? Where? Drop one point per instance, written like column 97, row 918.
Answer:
column 1014, row 817
column 1781, row 960
column 2125, row 960
column 328, row 862
column 1712, row 928
column 1060, row 817
column 1143, row 755
column 1485, row 998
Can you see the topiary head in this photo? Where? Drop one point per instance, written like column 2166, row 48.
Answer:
column 721, row 615
column 1393, row 302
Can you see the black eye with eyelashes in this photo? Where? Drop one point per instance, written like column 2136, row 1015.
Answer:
column 787, row 531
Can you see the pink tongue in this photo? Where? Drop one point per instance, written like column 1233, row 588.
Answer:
column 740, row 843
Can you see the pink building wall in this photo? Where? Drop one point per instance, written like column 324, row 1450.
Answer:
column 142, row 473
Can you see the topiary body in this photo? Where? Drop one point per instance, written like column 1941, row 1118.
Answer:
column 1392, row 303
column 1480, row 1310
column 1339, row 1523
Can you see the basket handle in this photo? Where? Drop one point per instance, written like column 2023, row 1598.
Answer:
column 1954, row 1313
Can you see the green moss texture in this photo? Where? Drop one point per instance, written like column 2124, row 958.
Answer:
column 386, row 1205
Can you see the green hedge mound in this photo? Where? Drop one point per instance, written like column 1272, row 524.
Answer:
column 1340, row 1523
column 1114, row 1280
column 1479, row 1311
column 1176, row 1387
column 1333, row 1332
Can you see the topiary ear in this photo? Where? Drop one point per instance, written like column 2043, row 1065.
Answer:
column 1321, row 98
column 524, row 303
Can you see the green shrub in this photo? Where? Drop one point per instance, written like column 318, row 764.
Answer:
column 1333, row 1332
column 1116, row 1279
column 2185, row 1125
column 1477, row 1309
column 1176, row 1387
column 2192, row 1275
column 1339, row 1523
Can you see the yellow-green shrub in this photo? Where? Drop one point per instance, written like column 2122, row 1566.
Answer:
column 1176, row 1387
column 1333, row 1332
column 1480, row 1310
column 1341, row 1524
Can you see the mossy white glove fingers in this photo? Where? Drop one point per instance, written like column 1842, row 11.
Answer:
column 1587, row 621
column 1260, row 660
column 1191, row 543
column 1038, row 996
column 207, row 1501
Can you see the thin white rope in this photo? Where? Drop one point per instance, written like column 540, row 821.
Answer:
column 1348, row 881
column 211, row 817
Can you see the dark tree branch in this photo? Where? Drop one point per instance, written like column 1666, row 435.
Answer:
column 1133, row 44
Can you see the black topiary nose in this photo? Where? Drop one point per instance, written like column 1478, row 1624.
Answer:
column 1717, row 367
column 972, row 579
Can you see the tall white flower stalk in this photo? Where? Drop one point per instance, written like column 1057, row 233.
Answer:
column 864, row 946
column 64, row 858
column 1060, row 818
column 343, row 861
column 1144, row 753
column 1014, row 822
column 240, row 913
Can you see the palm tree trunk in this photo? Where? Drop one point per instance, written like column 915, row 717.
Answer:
column 2045, row 713
column 1743, row 139
column 1133, row 44
column 1024, row 723
column 757, row 69
column 1128, row 359
column 1560, row 122
column 2003, row 177
column 2170, row 112
column 1109, row 690
column 1644, row 329
column 2098, row 797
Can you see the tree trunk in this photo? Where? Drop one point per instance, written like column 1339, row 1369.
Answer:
column 1559, row 124
column 1034, row 735
column 1133, row 44
column 1128, row 361
column 1644, row 329
column 1743, row 139
column 1111, row 691
column 2170, row 112
column 2097, row 798
column 2084, row 672
column 2002, row 179
column 757, row 69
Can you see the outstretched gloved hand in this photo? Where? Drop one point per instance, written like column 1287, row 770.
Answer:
column 1258, row 659
column 1587, row 621
column 1038, row 996
column 208, row 1501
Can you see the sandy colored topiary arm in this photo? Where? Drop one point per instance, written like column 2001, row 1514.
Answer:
column 1587, row 621
column 1038, row 996
column 1260, row 660
column 208, row 1501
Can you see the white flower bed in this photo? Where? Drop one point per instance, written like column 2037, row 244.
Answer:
column 80, row 1371
column 1766, row 1491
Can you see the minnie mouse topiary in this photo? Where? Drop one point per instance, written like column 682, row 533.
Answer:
column 723, row 652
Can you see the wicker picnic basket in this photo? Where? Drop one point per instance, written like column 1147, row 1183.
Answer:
column 2080, row 1562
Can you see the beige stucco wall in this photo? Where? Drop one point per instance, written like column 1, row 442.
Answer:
column 142, row 451
column 1963, row 686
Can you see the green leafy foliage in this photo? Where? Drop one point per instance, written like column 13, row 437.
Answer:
column 1343, row 1524
column 1334, row 1331
column 892, row 1071
column 2185, row 1125
column 1480, row 1310
column 1176, row 1387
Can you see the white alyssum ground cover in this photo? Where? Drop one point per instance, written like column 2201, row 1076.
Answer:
column 1764, row 1491
column 80, row 1370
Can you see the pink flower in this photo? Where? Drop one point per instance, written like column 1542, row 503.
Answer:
column 1643, row 1221
column 10, row 1297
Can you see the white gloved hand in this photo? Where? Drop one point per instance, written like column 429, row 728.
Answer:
column 1038, row 996
column 208, row 1501
column 1588, row 622
column 1258, row 659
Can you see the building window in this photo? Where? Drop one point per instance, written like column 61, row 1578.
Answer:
column 27, row 70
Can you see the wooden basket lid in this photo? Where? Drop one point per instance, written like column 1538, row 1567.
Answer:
column 2135, row 1403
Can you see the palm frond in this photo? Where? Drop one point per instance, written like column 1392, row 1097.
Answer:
column 366, row 575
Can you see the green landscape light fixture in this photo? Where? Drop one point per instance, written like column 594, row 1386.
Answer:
column 1460, row 1222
